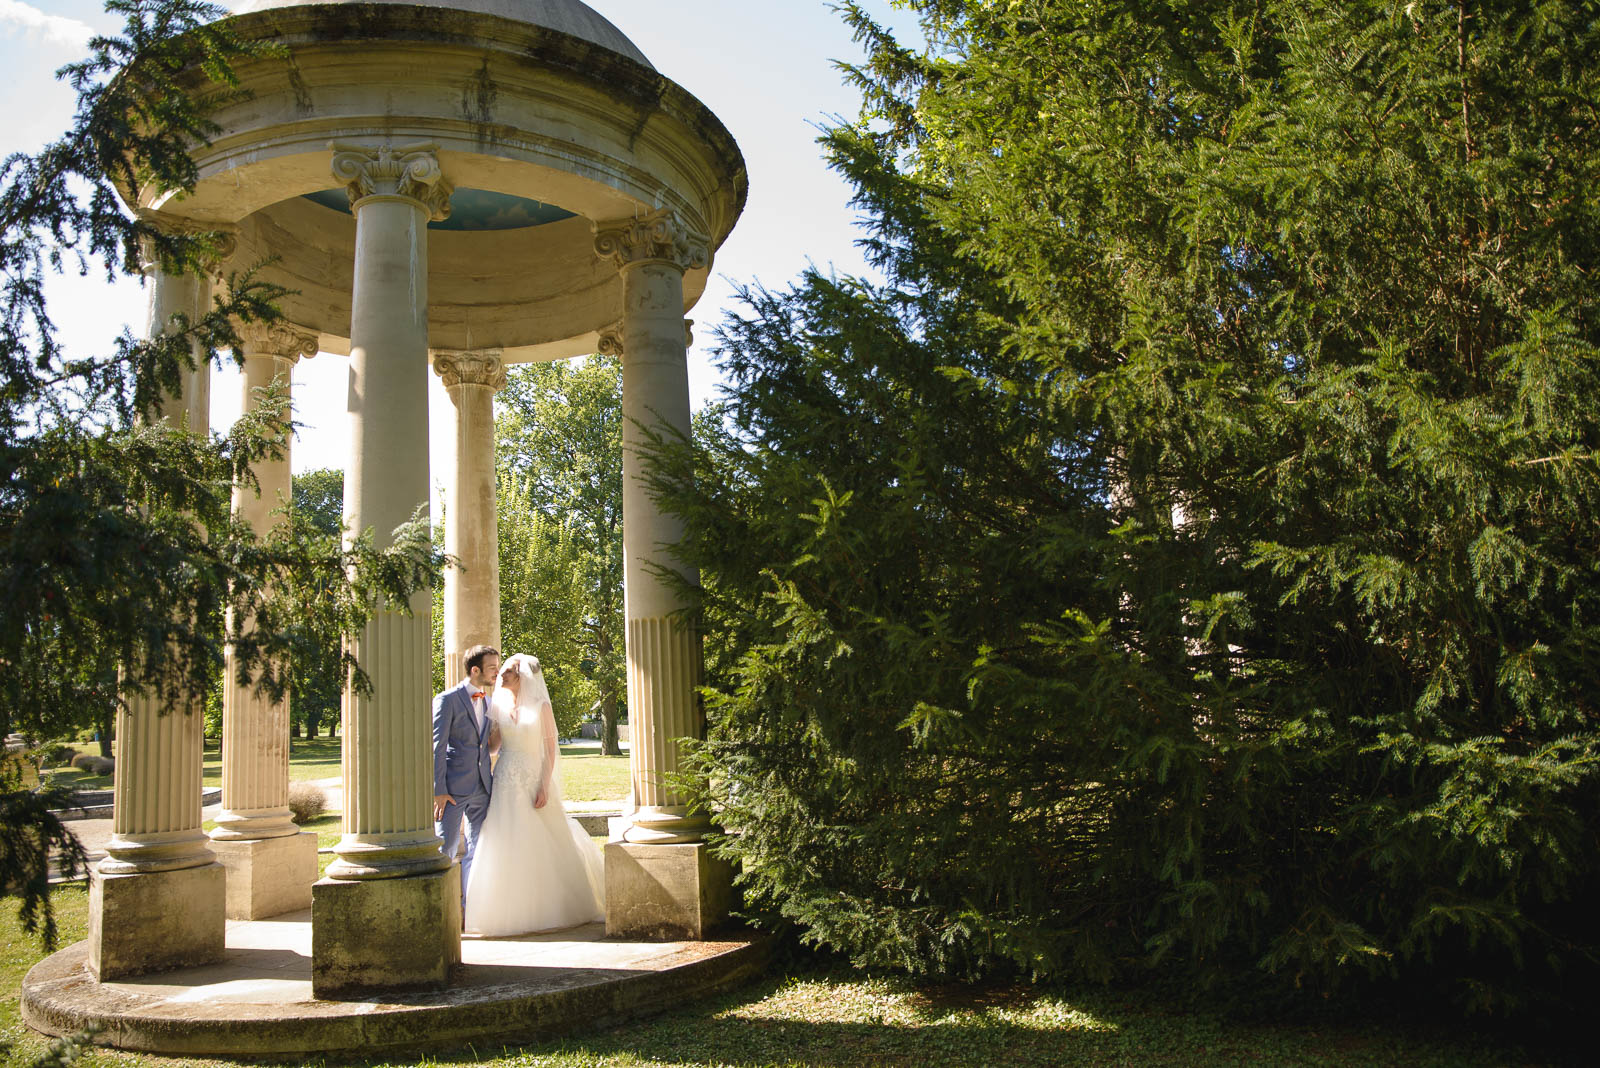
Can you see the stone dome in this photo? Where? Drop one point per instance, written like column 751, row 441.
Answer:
column 571, row 17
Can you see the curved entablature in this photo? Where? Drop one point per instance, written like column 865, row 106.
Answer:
column 520, row 108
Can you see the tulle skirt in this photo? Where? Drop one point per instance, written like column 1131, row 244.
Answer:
column 534, row 869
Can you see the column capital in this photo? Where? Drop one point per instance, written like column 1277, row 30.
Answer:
column 410, row 171
column 610, row 340
column 610, row 343
column 476, row 367
column 283, row 340
column 225, row 241
column 659, row 237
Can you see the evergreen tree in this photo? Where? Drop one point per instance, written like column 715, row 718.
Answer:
column 318, row 687
column 1188, row 555
column 119, row 556
column 559, row 451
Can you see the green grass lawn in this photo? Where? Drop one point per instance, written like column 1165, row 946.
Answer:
column 309, row 758
column 809, row 1017
column 586, row 775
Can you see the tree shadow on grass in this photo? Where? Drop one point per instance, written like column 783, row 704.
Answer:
column 960, row 1027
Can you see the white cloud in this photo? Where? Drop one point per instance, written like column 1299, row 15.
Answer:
column 51, row 29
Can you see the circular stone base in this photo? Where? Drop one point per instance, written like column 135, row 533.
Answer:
column 257, row 1002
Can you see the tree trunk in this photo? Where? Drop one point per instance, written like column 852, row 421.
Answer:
column 103, row 730
column 608, row 725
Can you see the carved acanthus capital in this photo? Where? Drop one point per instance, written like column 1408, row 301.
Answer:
column 480, row 367
column 610, row 343
column 283, row 340
column 410, row 171
column 660, row 237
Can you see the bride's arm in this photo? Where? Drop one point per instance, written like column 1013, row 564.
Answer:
column 548, row 768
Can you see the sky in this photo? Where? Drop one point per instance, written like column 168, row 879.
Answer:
column 766, row 68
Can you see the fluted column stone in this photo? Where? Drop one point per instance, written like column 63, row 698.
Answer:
column 663, row 649
column 387, row 914
column 156, row 899
column 471, row 532
column 271, row 863
column 155, row 822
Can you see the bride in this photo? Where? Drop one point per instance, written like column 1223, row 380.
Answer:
column 535, row 869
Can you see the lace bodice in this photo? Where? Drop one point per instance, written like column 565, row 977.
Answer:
column 521, row 754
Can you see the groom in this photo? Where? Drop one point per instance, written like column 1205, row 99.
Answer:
column 461, row 776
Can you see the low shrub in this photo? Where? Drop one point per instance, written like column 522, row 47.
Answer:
column 94, row 765
column 55, row 754
column 306, row 802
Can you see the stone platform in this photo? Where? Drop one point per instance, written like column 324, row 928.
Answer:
column 257, row 1002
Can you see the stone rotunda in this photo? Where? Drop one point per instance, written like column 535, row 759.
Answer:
column 447, row 187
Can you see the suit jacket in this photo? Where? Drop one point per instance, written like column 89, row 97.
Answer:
column 460, row 748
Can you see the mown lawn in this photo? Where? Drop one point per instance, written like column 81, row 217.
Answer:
column 309, row 758
column 809, row 1017
column 586, row 775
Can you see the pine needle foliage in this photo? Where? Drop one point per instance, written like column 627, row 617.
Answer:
column 122, row 568
column 1185, row 560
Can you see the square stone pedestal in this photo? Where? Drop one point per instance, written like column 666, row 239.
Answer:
column 373, row 935
column 155, row 922
column 268, row 876
column 665, row 893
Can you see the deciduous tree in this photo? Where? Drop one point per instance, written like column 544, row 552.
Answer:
column 559, row 451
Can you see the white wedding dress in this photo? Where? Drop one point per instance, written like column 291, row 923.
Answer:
column 535, row 869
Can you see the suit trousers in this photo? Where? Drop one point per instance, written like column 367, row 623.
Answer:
column 465, row 815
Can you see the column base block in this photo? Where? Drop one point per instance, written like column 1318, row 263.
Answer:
column 375, row 935
column 156, row 921
column 665, row 893
column 268, row 876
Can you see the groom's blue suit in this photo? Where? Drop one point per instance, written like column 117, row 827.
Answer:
column 461, row 770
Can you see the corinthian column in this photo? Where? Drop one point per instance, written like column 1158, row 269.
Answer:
column 271, row 864
column 663, row 652
column 155, row 901
column 471, row 533
column 366, row 933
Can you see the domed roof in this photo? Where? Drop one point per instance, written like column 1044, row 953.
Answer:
column 571, row 17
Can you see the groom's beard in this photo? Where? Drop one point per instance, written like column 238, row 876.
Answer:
column 502, row 702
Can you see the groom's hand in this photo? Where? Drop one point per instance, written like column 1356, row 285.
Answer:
column 439, row 801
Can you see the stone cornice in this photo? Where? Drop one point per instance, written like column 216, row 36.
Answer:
column 660, row 237
column 410, row 171
column 482, row 367
column 283, row 340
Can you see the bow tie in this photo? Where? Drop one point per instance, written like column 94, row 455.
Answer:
column 480, row 693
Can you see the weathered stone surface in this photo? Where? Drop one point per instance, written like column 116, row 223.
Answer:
column 257, row 1003
column 471, row 530
column 269, row 876
column 155, row 921
column 571, row 17
column 665, row 892
column 385, row 934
